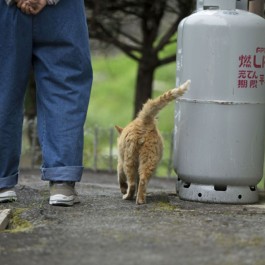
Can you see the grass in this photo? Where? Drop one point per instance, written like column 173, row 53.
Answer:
column 112, row 94
column 17, row 223
column 111, row 100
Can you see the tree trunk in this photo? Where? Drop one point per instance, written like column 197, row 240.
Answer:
column 144, row 86
column 257, row 7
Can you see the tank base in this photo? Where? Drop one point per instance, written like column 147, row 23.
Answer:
column 217, row 193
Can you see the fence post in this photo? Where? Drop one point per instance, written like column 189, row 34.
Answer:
column 95, row 151
column 33, row 137
column 170, row 162
column 111, row 150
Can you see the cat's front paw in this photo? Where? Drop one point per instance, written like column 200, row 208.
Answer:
column 123, row 187
column 127, row 197
column 123, row 190
column 140, row 201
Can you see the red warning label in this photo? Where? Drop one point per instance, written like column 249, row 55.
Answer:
column 251, row 69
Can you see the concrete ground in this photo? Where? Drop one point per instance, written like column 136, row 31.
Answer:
column 104, row 229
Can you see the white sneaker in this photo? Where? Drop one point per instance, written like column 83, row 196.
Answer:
column 63, row 193
column 8, row 195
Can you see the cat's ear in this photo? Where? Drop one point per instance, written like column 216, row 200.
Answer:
column 119, row 129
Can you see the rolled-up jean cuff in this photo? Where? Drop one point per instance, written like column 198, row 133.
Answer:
column 72, row 173
column 9, row 181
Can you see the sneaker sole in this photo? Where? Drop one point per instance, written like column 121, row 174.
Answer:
column 8, row 196
column 62, row 200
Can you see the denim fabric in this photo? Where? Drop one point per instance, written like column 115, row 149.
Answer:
column 10, row 2
column 55, row 43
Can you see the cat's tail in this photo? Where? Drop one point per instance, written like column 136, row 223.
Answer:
column 153, row 106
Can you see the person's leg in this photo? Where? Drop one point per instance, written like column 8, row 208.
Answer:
column 63, row 76
column 15, row 59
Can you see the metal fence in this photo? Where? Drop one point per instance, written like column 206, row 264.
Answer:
column 100, row 150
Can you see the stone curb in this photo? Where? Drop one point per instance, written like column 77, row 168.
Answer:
column 4, row 218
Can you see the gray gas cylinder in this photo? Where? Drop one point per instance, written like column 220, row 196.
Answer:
column 220, row 122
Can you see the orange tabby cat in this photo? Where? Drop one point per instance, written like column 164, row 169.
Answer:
column 141, row 146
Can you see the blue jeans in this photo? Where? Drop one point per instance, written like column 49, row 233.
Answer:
column 55, row 44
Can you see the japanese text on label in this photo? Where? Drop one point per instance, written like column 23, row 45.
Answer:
column 251, row 69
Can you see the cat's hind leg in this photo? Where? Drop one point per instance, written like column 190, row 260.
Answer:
column 122, row 178
column 142, row 187
column 131, row 172
column 146, row 169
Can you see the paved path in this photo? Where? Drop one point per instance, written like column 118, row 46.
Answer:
column 104, row 229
